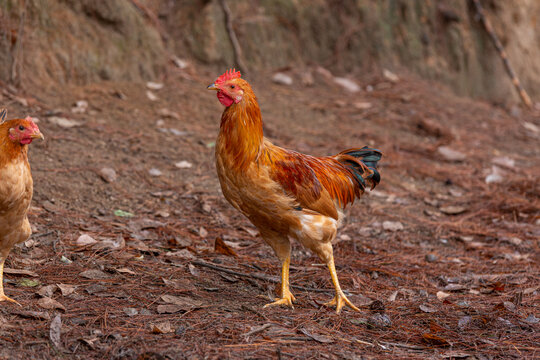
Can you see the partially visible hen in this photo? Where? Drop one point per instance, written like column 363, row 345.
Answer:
column 16, row 185
column 286, row 194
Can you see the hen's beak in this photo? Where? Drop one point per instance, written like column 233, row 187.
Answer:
column 213, row 87
column 37, row 135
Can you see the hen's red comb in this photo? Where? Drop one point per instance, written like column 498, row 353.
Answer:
column 229, row 75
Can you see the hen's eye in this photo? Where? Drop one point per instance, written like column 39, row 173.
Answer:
column 232, row 86
column 21, row 127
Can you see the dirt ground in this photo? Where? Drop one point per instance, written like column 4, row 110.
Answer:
column 442, row 264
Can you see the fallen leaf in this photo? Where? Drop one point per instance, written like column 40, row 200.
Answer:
column 155, row 172
column 20, row 272
column 162, row 328
column 319, row 338
column 435, row 340
column 222, row 248
column 29, row 283
column 428, row 308
column 56, row 330
column 66, row 289
column 184, row 254
column 130, row 311
column 170, row 309
column 122, row 213
column 94, row 274
column 85, row 239
column 185, row 302
column 179, row 284
column 40, row 315
column 126, row 271
column 50, row 304
column 47, row 291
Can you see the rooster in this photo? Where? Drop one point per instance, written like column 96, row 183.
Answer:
column 286, row 194
column 16, row 185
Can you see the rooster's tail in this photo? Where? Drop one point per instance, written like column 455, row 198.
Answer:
column 362, row 163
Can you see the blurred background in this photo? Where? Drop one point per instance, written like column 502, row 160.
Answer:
column 45, row 42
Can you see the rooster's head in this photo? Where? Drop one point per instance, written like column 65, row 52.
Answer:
column 230, row 87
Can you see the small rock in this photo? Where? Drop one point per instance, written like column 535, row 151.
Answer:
column 179, row 63
column 155, row 172
column 496, row 176
column 431, row 258
column 108, row 174
column 531, row 319
column 531, row 127
column 154, row 85
column 160, row 123
column 85, row 239
column 307, row 78
column 464, row 321
column 63, row 122
column 362, row 105
column 504, row 161
column 168, row 113
column 130, row 311
column 453, row 210
column 451, row 154
column 345, row 237
column 347, row 84
column 390, row 76
column 80, row 107
column 203, row 232
column 151, row 96
column 392, row 226
column 379, row 320
column 282, row 79
column 183, row 164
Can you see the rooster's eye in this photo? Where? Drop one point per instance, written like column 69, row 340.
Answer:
column 21, row 127
column 232, row 86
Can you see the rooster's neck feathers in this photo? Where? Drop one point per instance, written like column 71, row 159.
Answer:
column 241, row 130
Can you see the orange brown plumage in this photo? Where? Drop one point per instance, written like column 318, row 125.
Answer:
column 285, row 194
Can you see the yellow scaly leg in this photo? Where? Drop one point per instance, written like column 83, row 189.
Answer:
column 287, row 297
column 3, row 297
column 340, row 299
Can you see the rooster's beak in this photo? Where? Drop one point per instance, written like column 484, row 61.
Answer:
column 38, row 136
column 213, row 87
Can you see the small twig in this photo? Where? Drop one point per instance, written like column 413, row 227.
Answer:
column 238, row 59
column 257, row 276
column 500, row 49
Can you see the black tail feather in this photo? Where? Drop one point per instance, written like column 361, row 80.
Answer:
column 369, row 157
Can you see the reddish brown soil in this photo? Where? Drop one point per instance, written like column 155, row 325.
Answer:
column 493, row 280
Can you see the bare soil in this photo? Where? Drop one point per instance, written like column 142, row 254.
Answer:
column 460, row 280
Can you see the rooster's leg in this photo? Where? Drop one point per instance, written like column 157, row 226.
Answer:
column 340, row 299
column 287, row 297
column 3, row 297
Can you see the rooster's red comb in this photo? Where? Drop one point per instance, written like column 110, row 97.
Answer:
column 229, row 75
